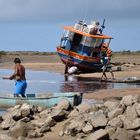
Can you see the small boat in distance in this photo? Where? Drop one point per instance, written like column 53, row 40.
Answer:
column 83, row 46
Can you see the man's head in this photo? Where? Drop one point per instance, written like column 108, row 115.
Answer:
column 17, row 60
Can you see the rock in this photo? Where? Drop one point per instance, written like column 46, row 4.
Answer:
column 122, row 134
column 111, row 104
column 35, row 134
column 87, row 128
column 135, row 124
column 38, row 122
column 58, row 115
column 26, row 119
column 6, row 137
column 7, row 123
column 73, row 126
column 127, row 100
column 131, row 113
column 98, row 119
column 45, row 113
column 84, row 108
column 98, row 135
column 44, row 129
column 74, row 113
column 20, row 129
column 115, row 122
column 137, row 108
column 25, row 110
column 114, row 113
column 1, row 119
column 110, row 130
column 49, row 122
column 64, row 104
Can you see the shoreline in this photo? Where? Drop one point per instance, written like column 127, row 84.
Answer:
column 52, row 63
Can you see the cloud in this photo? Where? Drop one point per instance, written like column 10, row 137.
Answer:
column 66, row 10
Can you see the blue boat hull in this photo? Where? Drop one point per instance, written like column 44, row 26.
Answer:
column 73, row 98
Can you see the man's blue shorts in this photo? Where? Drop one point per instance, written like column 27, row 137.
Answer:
column 20, row 87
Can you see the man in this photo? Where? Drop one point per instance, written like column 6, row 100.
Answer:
column 106, row 67
column 19, row 77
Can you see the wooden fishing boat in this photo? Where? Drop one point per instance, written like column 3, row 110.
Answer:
column 48, row 101
column 84, row 46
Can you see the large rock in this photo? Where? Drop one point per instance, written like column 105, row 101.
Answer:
column 115, row 122
column 98, row 119
column 114, row 113
column 122, row 134
column 128, row 100
column 7, row 123
column 20, row 129
column 84, row 108
column 87, row 128
column 6, row 137
column 64, row 104
column 99, row 135
column 58, row 114
column 137, row 108
column 131, row 113
column 112, row 104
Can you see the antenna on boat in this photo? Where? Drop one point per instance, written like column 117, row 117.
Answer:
column 103, row 26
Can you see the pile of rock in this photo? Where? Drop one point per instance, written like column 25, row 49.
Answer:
column 114, row 119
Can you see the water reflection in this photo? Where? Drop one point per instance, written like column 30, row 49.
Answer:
column 46, row 82
column 82, row 84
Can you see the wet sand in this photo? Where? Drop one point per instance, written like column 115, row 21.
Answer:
column 131, row 68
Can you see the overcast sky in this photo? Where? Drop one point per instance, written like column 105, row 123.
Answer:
column 37, row 24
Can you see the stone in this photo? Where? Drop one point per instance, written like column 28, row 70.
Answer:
column 111, row 104
column 64, row 104
column 35, row 134
column 84, row 108
column 74, row 113
column 98, row 135
column 49, row 122
column 98, row 119
column 114, row 113
column 44, row 129
column 87, row 128
column 131, row 113
column 6, row 137
column 7, row 123
column 115, row 122
column 20, row 129
column 122, row 134
column 1, row 119
column 38, row 122
column 137, row 108
column 127, row 100
column 57, row 114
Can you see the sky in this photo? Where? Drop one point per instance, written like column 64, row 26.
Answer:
column 37, row 25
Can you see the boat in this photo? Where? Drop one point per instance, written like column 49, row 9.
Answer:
column 126, row 80
column 50, row 100
column 84, row 46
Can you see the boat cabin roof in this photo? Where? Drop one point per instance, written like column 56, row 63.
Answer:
column 101, row 36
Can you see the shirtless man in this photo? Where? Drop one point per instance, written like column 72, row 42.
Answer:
column 19, row 77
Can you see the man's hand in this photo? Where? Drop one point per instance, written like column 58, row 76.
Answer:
column 5, row 77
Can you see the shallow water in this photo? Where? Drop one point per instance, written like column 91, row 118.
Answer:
column 40, row 82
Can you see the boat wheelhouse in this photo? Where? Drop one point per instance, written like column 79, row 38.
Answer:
column 84, row 47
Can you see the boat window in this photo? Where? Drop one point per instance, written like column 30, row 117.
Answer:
column 96, row 42
column 86, row 41
column 76, row 42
